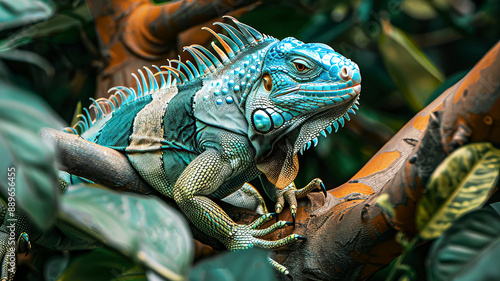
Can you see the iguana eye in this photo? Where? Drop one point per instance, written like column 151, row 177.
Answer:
column 300, row 67
column 268, row 82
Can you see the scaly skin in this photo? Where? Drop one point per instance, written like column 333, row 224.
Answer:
column 210, row 128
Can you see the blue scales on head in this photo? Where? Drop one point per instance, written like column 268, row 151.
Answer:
column 307, row 90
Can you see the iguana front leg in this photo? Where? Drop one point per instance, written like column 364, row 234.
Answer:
column 202, row 177
column 290, row 194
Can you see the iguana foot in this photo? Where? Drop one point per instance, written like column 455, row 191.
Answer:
column 245, row 236
column 291, row 194
column 9, row 251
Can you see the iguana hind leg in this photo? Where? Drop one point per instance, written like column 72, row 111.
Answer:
column 202, row 177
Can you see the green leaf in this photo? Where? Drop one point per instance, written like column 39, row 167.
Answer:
column 419, row 9
column 412, row 72
column 22, row 115
column 462, row 182
column 384, row 202
column 246, row 265
column 22, row 12
column 468, row 250
column 140, row 227
column 103, row 265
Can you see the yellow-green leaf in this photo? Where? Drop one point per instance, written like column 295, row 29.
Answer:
column 419, row 9
column 462, row 182
column 414, row 75
column 384, row 202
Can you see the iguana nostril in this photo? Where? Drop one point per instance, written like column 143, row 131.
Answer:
column 345, row 73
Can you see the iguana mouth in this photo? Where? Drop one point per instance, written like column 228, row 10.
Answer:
column 339, row 92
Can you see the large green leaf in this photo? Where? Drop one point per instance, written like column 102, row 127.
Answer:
column 22, row 115
column 412, row 72
column 140, row 227
column 246, row 265
column 462, row 182
column 468, row 250
column 21, row 12
column 103, row 265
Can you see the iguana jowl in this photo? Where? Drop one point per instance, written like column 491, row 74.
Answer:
column 210, row 127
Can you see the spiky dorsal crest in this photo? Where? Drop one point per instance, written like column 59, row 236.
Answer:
column 240, row 39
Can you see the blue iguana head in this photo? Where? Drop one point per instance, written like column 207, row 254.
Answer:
column 305, row 90
column 308, row 88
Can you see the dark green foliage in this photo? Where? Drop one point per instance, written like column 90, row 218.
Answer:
column 142, row 228
column 461, row 183
column 30, row 162
column 468, row 250
column 246, row 265
column 103, row 265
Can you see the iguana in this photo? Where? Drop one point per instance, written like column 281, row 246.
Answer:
column 207, row 128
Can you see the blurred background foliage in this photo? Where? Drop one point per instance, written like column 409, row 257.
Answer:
column 409, row 51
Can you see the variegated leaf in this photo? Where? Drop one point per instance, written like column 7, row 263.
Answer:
column 461, row 183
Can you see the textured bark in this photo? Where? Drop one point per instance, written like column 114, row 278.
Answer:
column 349, row 235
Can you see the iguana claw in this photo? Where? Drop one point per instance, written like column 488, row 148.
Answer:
column 23, row 243
column 302, row 238
column 323, row 188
